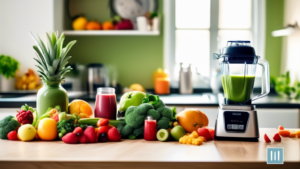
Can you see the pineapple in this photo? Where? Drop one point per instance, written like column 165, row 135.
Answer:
column 52, row 63
column 53, row 59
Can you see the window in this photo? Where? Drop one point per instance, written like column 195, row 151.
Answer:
column 195, row 29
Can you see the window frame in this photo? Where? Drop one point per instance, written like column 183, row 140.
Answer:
column 257, row 30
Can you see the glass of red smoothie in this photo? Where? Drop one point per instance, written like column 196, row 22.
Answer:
column 106, row 103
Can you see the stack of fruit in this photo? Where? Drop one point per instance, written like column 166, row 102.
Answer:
column 190, row 128
column 116, row 23
column 27, row 81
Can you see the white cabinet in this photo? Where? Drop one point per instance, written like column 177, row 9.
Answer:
column 267, row 118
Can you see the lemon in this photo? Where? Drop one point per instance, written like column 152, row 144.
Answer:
column 26, row 132
column 80, row 23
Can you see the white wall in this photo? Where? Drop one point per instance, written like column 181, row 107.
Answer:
column 291, row 44
column 17, row 18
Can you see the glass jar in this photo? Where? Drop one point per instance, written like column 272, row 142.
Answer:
column 150, row 129
column 106, row 103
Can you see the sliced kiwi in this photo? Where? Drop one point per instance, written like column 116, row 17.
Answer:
column 162, row 135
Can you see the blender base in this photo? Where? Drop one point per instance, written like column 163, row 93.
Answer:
column 237, row 123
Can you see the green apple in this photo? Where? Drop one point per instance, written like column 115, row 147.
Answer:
column 133, row 98
column 27, row 132
column 177, row 132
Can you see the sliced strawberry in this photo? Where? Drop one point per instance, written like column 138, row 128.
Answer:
column 280, row 127
column 267, row 139
column 277, row 137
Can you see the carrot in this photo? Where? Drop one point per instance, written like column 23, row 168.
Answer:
column 284, row 133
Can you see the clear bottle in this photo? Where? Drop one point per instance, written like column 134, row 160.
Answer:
column 106, row 103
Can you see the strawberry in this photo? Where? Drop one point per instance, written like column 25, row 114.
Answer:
column 102, row 129
column 113, row 134
column 24, row 117
column 83, row 139
column 204, row 132
column 70, row 138
column 12, row 135
column 78, row 131
column 91, row 135
column 102, row 122
column 212, row 133
column 277, row 137
column 280, row 128
column 267, row 139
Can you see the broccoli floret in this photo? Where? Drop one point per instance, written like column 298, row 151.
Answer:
column 139, row 132
column 163, row 123
column 124, row 129
column 165, row 112
column 158, row 104
column 135, row 115
column 155, row 114
column 8, row 124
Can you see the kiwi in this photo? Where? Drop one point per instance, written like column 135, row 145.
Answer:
column 162, row 135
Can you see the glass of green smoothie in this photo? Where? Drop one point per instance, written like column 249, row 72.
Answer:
column 238, row 63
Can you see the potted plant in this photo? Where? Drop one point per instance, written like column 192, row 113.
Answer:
column 8, row 68
column 52, row 61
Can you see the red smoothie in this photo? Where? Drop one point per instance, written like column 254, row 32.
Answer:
column 106, row 106
column 150, row 130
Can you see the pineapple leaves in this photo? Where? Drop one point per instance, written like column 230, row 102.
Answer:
column 67, row 49
column 59, row 44
column 52, row 58
column 55, row 64
column 50, row 48
column 41, row 56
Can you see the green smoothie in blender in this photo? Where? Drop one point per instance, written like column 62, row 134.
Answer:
column 238, row 88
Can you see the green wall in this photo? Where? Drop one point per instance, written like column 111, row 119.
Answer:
column 274, row 21
column 135, row 58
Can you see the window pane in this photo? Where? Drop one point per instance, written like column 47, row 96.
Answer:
column 192, row 14
column 235, row 14
column 192, row 47
column 226, row 35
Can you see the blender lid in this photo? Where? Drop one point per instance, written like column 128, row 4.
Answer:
column 238, row 52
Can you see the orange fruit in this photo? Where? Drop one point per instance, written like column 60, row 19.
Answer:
column 192, row 119
column 108, row 25
column 81, row 108
column 93, row 25
column 47, row 129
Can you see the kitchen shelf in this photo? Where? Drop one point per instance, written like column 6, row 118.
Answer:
column 111, row 33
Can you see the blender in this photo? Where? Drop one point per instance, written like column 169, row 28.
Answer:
column 237, row 116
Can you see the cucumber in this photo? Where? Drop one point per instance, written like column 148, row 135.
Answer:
column 93, row 121
column 89, row 121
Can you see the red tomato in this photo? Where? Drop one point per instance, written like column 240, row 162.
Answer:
column 102, row 122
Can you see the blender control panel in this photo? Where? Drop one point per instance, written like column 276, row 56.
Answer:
column 236, row 121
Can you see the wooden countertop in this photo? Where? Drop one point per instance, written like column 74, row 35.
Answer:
column 146, row 154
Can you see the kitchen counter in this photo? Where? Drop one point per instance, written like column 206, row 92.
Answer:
column 200, row 99
column 146, row 154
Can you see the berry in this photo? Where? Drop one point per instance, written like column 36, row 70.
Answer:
column 280, row 128
column 25, row 117
column 103, row 129
column 102, row 122
column 83, row 139
column 70, row 138
column 78, row 131
column 113, row 134
column 90, row 133
column 277, row 137
column 12, row 135
column 102, row 137
column 204, row 132
column 267, row 139
column 212, row 133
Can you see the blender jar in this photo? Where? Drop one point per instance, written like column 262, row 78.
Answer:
column 238, row 68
